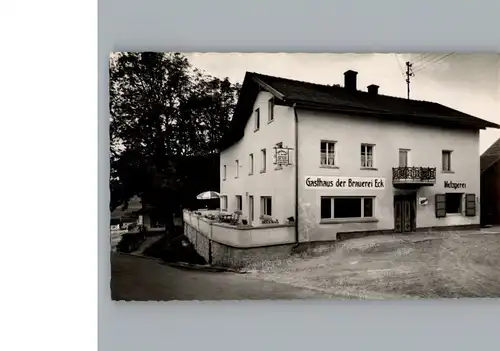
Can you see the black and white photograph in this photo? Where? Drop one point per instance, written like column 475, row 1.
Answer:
column 280, row 176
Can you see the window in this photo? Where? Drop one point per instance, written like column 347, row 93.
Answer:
column 223, row 204
column 250, row 208
column 446, row 155
column 263, row 166
column 366, row 156
column 368, row 207
column 237, row 165
column 346, row 207
column 257, row 119
column 452, row 203
column 327, row 150
column 239, row 203
column 225, row 173
column 403, row 157
column 271, row 110
column 251, row 164
column 266, row 205
column 326, row 207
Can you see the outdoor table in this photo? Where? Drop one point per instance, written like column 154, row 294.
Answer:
column 225, row 216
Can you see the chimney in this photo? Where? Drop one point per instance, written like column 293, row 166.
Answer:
column 350, row 80
column 373, row 89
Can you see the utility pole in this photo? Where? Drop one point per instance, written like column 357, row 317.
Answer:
column 409, row 73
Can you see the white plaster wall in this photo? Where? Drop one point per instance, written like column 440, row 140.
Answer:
column 258, row 237
column 265, row 235
column 279, row 184
column 426, row 145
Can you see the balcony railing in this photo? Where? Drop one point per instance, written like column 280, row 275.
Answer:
column 414, row 175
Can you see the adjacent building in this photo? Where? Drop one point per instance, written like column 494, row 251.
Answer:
column 490, row 185
column 339, row 161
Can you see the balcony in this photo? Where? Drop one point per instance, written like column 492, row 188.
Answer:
column 411, row 177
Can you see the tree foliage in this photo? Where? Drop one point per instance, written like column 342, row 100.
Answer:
column 162, row 111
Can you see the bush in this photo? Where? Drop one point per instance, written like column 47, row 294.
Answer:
column 177, row 249
column 130, row 242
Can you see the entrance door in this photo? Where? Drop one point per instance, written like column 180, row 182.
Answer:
column 404, row 213
column 250, row 209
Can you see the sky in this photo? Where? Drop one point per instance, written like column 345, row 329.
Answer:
column 465, row 82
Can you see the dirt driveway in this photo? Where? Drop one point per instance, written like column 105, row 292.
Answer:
column 411, row 266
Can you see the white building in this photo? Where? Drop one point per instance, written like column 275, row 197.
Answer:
column 361, row 162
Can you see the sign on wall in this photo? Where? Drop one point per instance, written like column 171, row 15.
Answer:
column 282, row 156
column 423, row 201
column 315, row 182
column 452, row 185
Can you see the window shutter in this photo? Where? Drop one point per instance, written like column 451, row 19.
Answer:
column 470, row 205
column 440, row 205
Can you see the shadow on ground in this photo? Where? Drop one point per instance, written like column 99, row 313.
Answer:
column 177, row 249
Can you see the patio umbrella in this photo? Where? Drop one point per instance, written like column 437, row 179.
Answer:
column 208, row 195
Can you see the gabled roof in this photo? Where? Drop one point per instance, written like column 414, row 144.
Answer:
column 339, row 99
column 490, row 156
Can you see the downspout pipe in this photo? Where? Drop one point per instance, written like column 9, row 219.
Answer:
column 296, row 176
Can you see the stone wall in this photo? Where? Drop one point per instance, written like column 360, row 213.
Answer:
column 200, row 242
column 223, row 255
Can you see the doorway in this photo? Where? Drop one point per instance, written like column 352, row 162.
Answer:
column 250, row 210
column 404, row 213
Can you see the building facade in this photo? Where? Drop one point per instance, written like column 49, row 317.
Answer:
column 490, row 185
column 250, row 181
column 359, row 162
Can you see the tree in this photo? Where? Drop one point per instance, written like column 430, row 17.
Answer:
column 162, row 109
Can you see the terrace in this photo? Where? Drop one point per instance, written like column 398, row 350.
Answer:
column 229, row 229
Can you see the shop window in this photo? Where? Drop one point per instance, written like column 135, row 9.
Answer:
column 346, row 207
column 326, row 207
column 368, row 207
column 452, row 203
